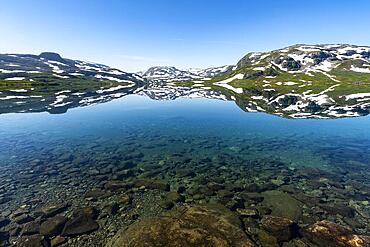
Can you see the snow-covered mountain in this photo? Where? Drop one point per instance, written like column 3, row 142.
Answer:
column 170, row 73
column 23, row 67
column 310, row 59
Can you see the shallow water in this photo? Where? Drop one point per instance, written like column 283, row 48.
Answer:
column 47, row 159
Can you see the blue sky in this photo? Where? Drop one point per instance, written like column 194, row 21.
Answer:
column 135, row 34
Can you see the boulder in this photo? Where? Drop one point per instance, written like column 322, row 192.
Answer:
column 53, row 226
column 32, row 241
column 81, row 222
column 207, row 225
column 282, row 229
column 328, row 234
column 282, row 204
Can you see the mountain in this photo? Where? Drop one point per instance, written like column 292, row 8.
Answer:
column 168, row 73
column 49, row 66
column 300, row 80
column 171, row 74
column 50, row 82
column 210, row 72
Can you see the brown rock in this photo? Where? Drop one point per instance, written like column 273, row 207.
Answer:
column 152, row 184
column 57, row 241
column 328, row 234
column 282, row 228
column 282, row 205
column 32, row 241
column 53, row 210
column 82, row 222
column 53, row 226
column 30, row 228
column 208, row 225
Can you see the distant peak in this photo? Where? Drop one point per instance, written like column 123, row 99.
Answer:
column 51, row 56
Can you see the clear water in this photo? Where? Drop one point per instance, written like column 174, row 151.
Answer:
column 298, row 142
column 190, row 133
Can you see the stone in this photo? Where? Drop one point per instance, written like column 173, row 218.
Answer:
column 82, row 222
column 266, row 240
column 53, row 226
column 30, row 228
column 53, row 210
column 125, row 199
column 4, row 236
column 57, row 241
column 116, row 185
column 173, row 196
column 4, row 222
column 282, row 229
column 167, row 205
column 328, row 234
column 90, row 212
column 96, row 194
column 282, row 204
column 339, row 209
column 247, row 212
column 207, row 225
column 112, row 208
column 152, row 184
column 32, row 241
column 23, row 218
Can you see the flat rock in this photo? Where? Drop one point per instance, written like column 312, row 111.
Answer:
column 152, row 184
column 328, row 234
column 207, row 225
column 53, row 210
column 30, row 228
column 282, row 204
column 82, row 222
column 57, row 241
column 32, row 241
column 53, row 226
column 282, row 229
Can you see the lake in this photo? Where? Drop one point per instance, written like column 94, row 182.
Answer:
column 134, row 158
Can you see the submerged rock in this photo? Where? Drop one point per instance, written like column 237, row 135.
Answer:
column 82, row 222
column 53, row 226
column 282, row 229
column 32, row 241
column 328, row 234
column 282, row 204
column 208, row 225
column 152, row 184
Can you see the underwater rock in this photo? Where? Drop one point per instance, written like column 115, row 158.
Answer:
column 53, row 226
column 32, row 241
column 173, row 196
column 4, row 236
column 246, row 212
column 57, row 241
column 328, row 234
column 116, row 185
column 96, row 193
column 23, row 218
column 207, row 225
column 282, row 204
column 282, row 229
column 53, row 210
column 4, row 222
column 152, row 184
column 82, row 221
column 30, row 228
